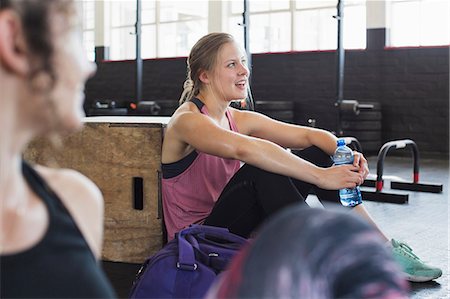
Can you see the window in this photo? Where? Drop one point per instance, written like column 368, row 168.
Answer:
column 122, row 30
column 316, row 27
column 270, row 25
column 88, row 25
column 299, row 25
column 419, row 23
column 169, row 28
column 181, row 24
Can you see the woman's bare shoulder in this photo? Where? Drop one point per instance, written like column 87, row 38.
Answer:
column 66, row 182
column 82, row 198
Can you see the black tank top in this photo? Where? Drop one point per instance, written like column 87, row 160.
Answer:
column 60, row 265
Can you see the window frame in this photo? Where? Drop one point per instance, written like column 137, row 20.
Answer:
column 390, row 44
column 293, row 10
column 157, row 23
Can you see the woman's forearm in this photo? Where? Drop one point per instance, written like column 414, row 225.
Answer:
column 271, row 157
column 324, row 140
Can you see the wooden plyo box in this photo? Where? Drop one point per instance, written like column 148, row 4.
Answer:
column 117, row 153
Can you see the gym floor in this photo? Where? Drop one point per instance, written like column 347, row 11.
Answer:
column 423, row 223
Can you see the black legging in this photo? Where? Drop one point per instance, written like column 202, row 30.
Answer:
column 254, row 194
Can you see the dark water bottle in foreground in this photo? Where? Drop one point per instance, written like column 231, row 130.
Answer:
column 350, row 197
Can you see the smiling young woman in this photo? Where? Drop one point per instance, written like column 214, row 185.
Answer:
column 207, row 141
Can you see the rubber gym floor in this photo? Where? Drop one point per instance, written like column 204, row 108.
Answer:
column 422, row 222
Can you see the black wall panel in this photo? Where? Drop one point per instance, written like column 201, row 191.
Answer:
column 412, row 85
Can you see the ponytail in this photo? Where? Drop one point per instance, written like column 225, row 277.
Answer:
column 188, row 91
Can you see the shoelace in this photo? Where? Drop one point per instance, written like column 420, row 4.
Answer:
column 405, row 248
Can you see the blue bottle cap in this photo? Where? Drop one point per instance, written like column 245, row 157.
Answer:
column 340, row 142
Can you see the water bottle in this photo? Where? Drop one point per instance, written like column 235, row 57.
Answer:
column 349, row 197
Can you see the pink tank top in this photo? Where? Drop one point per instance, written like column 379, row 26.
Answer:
column 188, row 197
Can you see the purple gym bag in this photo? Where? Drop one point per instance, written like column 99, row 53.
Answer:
column 186, row 266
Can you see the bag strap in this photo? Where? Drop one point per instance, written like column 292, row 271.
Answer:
column 186, row 263
column 186, row 255
column 186, row 259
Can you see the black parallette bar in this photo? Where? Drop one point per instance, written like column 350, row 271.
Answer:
column 385, row 197
column 138, row 193
column 422, row 187
column 369, row 183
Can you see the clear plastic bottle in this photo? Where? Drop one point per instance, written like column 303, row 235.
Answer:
column 350, row 197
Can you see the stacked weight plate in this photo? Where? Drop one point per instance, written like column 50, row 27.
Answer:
column 279, row 110
column 364, row 126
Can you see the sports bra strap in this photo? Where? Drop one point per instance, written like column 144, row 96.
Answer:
column 198, row 103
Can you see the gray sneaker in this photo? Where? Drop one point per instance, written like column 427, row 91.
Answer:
column 414, row 269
